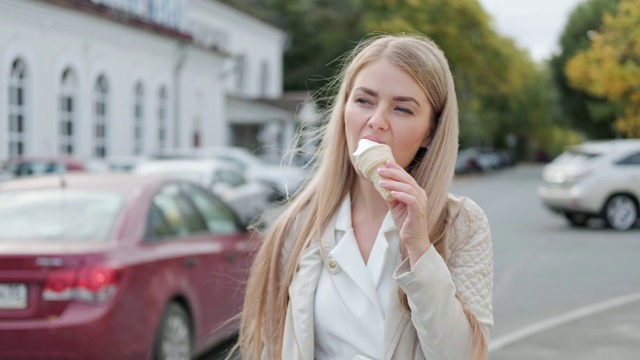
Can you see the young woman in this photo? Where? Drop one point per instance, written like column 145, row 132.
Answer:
column 344, row 273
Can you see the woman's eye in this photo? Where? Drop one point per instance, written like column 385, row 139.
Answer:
column 362, row 101
column 405, row 110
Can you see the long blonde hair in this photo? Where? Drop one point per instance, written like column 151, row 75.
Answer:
column 266, row 299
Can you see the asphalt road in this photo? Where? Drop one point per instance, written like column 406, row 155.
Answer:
column 555, row 286
column 559, row 292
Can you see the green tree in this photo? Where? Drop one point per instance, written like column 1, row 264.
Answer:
column 500, row 89
column 495, row 80
column 586, row 112
column 610, row 67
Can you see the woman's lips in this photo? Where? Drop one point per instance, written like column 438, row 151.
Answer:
column 373, row 138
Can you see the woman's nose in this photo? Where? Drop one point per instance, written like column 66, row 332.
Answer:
column 378, row 120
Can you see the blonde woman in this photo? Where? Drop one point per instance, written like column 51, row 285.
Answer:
column 344, row 273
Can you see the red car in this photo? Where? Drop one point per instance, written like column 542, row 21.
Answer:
column 117, row 266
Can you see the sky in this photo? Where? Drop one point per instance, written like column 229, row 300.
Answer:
column 535, row 25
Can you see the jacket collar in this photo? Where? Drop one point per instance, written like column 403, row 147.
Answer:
column 304, row 283
column 343, row 218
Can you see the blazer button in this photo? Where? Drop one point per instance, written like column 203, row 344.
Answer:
column 333, row 264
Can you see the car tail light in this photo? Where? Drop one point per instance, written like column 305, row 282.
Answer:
column 59, row 285
column 85, row 284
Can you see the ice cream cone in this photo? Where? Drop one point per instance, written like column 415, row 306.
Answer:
column 370, row 156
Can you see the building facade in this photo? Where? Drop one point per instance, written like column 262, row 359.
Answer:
column 100, row 78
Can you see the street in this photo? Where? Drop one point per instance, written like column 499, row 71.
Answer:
column 545, row 270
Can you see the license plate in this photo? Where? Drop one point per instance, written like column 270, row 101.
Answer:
column 13, row 296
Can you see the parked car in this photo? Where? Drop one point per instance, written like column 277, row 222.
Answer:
column 125, row 163
column 117, row 266
column 482, row 159
column 284, row 180
column 43, row 165
column 596, row 179
column 39, row 165
column 467, row 161
column 248, row 199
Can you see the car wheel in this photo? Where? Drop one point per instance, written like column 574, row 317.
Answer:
column 621, row 212
column 174, row 337
column 578, row 220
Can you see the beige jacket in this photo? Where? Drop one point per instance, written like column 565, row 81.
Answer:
column 436, row 327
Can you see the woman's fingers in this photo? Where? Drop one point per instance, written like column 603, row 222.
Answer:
column 393, row 185
column 395, row 172
column 409, row 208
column 397, row 179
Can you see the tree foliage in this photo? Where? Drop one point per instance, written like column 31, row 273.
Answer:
column 610, row 67
column 501, row 91
column 591, row 114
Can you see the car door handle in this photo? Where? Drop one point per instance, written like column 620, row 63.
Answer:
column 191, row 262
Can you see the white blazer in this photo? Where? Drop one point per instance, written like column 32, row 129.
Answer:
column 436, row 327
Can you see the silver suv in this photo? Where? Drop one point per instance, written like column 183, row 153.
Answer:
column 596, row 179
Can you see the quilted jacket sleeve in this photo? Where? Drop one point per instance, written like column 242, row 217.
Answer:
column 443, row 329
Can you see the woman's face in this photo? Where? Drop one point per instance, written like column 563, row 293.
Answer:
column 388, row 106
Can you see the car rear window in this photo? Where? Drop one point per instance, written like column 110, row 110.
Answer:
column 58, row 215
column 575, row 157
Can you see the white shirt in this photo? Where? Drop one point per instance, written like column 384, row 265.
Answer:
column 351, row 297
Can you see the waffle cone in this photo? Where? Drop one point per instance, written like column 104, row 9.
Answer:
column 369, row 157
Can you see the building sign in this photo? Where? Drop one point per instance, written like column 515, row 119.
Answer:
column 167, row 13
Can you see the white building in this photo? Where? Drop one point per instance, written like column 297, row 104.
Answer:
column 115, row 77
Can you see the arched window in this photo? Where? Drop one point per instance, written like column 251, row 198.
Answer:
column 162, row 118
column 138, row 119
column 68, row 111
column 101, row 115
column 17, row 108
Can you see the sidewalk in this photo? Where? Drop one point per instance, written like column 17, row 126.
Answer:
column 611, row 334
